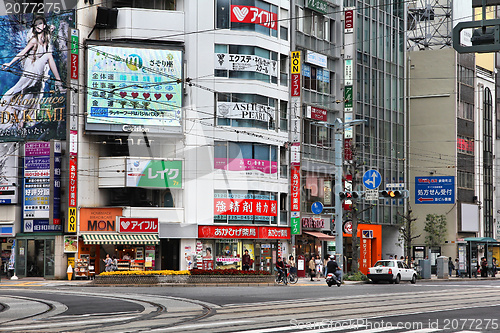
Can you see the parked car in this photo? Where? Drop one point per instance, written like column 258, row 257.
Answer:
column 393, row 271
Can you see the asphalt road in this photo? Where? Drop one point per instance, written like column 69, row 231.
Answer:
column 452, row 306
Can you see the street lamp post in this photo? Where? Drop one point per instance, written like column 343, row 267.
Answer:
column 338, row 137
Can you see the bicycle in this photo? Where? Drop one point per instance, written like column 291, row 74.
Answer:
column 280, row 279
column 292, row 277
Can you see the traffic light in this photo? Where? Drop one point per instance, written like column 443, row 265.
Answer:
column 391, row 194
column 349, row 195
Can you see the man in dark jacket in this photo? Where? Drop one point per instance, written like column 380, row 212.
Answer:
column 333, row 267
column 246, row 261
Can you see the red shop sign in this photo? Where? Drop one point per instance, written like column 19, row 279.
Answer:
column 212, row 231
column 295, row 188
column 236, row 232
column 295, row 85
column 250, row 14
column 274, row 233
column 349, row 19
column 318, row 114
column 138, row 225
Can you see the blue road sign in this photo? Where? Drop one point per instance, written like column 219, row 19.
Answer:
column 435, row 190
column 317, row 207
column 372, row 179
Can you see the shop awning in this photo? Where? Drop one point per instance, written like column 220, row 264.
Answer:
column 320, row 235
column 482, row 240
column 135, row 239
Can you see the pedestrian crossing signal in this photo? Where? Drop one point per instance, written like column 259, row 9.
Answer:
column 348, row 195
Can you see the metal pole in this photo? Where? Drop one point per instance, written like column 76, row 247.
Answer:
column 339, row 240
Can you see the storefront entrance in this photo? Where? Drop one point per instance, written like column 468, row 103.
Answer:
column 35, row 257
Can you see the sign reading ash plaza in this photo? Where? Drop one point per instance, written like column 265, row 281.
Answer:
column 32, row 92
column 134, row 89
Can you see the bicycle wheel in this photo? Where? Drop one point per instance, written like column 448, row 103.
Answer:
column 277, row 280
column 293, row 279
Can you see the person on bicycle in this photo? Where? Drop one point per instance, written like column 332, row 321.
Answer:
column 280, row 267
column 333, row 267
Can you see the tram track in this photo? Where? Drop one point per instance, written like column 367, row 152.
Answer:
column 155, row 315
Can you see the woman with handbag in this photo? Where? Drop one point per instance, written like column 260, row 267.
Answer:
column 312, row 268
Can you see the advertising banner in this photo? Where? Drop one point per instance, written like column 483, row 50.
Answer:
column 245, row 164
column 101, row 219
column 37, row 180
column 435, row 190
column 9, row 153
column 138, row 225
column 252, row 111
column 32, row 89
column 242, row 232
column 70, row 243
column 154, row 173
column 254, row 207
column 250, row 14
column 295, row 188
column 246, row 63
column 134, row 89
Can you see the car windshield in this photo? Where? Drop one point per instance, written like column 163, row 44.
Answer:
column 384, row 263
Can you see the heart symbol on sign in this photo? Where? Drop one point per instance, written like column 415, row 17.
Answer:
column 169, row 96
column 145, row 95
column 125, row 224
column 134, row 94
column 123, row 94
column 157, row 96
column 240, row 13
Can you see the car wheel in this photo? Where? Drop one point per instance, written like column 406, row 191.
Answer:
column 414, row 279
column 398, row 278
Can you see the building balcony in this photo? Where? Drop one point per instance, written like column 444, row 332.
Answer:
column 135, row 23
column 164, row 215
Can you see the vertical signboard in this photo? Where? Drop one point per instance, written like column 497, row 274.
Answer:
column 36, row 180
column 295, row 93
column 55, row 183
column 74, row 54
column 295, row 188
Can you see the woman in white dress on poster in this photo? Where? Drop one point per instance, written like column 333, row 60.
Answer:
column 36, row 56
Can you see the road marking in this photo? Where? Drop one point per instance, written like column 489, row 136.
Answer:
column 204, row 325
column 66, row 323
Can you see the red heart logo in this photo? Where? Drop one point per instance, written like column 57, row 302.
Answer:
column 123, row 94
column 134, row 94
column 169, row 96
column 157, row 96
column 145, row 95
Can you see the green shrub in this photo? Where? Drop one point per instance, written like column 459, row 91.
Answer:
column 358, row 276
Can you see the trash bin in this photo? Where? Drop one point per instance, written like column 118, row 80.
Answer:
column 425, row 268
column 442, row 267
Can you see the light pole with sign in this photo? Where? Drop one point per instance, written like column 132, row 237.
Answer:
column 338, row 127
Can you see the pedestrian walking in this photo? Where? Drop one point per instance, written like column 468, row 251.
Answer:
column 108, row 263
column 245, row 261
column 312, row 267
column 319, row 266
column 291, row 262
column 484, row 267
column 325, row 262
column 457, row 268
column 450, row 266
column 494, row 267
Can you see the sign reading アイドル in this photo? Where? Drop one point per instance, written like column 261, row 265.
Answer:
column 34, row 54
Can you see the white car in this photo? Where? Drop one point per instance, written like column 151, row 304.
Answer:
column 392, row 271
